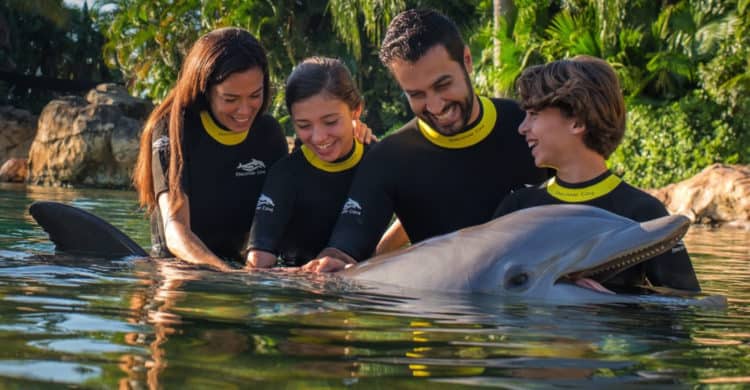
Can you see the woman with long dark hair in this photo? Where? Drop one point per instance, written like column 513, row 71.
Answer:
column 206, row 149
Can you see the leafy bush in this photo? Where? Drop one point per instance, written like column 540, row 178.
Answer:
column 669, row 143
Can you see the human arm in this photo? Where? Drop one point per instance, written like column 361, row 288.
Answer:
column 180, row 240
column 394, row 238
column 672, row 269
column 272, row 213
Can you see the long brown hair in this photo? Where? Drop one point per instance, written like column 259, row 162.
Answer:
column 213, row 57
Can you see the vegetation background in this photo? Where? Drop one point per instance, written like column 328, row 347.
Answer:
column 684, row 64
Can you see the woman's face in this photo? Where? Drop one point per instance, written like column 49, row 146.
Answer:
column 324, row 124
column 237, row 100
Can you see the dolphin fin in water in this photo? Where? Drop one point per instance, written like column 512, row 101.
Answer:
column 80, row 232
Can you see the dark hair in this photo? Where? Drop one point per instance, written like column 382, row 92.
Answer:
column 321, row 74
column 212, row 58
column 413, row 32
column 585, row 88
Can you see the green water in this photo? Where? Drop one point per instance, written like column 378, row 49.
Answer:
column 136, row 324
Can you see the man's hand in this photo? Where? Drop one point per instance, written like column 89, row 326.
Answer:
column 362, row 132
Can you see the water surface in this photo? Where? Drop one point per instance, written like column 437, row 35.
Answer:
column 136, row 324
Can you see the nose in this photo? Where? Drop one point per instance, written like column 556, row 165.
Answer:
column 435, row 104
column 318, row 134
column 245, row 107
column 524, row 128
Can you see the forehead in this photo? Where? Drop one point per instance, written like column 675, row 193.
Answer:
column 240, row 83
column 318, row 105
column 421, row 74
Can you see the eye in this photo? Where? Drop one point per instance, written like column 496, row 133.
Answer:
column 331, row 123
column 517, row 278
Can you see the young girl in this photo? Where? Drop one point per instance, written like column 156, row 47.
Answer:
column 305, row 192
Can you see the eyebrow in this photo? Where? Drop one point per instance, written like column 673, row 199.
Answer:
column 227, row 94
column 436, row 82
column 326, row 116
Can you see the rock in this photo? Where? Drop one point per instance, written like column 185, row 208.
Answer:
column 13, row 170
column 117, row 95
column 17, row 130
column 720, row 194
column 91, row 142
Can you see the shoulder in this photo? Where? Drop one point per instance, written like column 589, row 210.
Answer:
column 641, row 205
column 509, row 113
column 404, row 137
column 288, row 163
column 519, row 199
column 267, row 125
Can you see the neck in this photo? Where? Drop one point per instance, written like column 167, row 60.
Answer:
column 582, row 167
column 474, row 108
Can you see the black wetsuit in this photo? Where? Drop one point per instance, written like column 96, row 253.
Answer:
column 672, row 269
column 222, row 182
column 300, row 203
column 435, row 184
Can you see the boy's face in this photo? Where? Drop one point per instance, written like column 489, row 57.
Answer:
column 552, row 137
column 438, row 89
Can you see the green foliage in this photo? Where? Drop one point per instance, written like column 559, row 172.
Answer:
column 669, row 143
column 684, row 68
column 47, row 39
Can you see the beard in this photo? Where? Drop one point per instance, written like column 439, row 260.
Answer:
column 465, row 106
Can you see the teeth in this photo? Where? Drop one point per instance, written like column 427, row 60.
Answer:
column 532, row 144
column 324, row 146
column 447, row 114
column 630, row 258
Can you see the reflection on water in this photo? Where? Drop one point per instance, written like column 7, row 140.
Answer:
column 144, row 324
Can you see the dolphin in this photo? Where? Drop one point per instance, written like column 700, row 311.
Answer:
column 537, row 253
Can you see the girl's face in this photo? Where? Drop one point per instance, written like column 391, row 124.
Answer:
column 237, row 100
column 324, row 124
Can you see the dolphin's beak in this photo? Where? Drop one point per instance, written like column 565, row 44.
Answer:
column 616, row 251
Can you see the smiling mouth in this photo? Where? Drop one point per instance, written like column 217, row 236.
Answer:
column 592, row 278
column 324, row 146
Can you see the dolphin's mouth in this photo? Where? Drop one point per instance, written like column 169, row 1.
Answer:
column 593, row 277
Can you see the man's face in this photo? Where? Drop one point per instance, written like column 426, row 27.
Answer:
column 438, row 89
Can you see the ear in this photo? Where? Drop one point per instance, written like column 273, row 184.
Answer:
column 468, row 62
column 578, row 127
column 357, row 112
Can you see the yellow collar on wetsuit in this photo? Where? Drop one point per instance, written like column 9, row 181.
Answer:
column 338, row 166
column 224, row 137
column 469, row 137
column 583, row 194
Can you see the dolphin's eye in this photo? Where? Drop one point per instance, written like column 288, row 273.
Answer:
column 518, row 280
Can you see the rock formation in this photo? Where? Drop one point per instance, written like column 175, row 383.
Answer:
column 14, row 170
column 720, row 194
column 91, row 141
column 17, row 130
